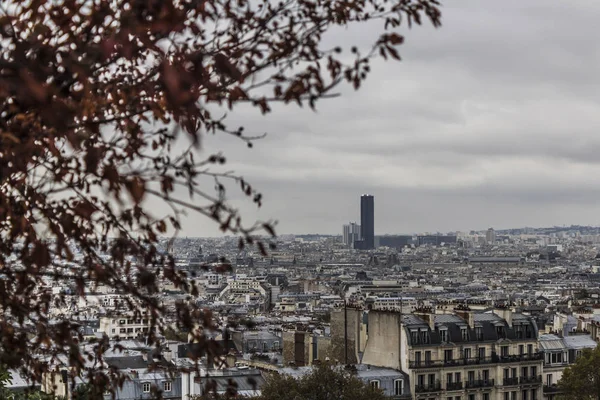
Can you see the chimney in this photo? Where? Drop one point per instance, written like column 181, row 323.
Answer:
column 427, row 314
column 504, row 312
column 465, row 312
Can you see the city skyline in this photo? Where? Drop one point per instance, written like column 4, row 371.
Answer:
column 471, row 129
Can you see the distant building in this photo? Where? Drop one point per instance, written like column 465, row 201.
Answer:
column 436, row 240
column 490, row 236
column 367, row 221
column 395, row 241
column 351, row 234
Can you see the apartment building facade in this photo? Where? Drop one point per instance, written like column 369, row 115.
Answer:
column 460, row 354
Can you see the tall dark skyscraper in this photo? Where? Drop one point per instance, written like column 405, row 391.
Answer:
column 367, row 221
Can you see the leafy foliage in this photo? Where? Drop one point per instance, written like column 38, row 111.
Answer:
column 96, row 98
column 322, row 383
column 581, row 381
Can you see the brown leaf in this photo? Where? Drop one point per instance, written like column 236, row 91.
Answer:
column 137, row 189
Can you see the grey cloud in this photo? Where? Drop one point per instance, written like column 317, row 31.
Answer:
column 489, row 121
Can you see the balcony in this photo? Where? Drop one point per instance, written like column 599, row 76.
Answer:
column 531, row 380
column 520, row 358
column 480, row 383
column 510, row 381
column 493, row 359
column 454, row 385
column 428, row 388
column 551, row 388
column 426, row 364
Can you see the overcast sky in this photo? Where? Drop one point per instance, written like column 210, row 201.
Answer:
column 491, row 120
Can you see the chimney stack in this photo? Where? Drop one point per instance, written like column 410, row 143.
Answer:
column 505, row 312
column 465, row 312
column 427, row 314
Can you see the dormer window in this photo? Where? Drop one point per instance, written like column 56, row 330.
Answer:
column 424, row 337
column 478, row 333
column 464, row 334
column 500, row 331
column 414, row 336
column 444, row 335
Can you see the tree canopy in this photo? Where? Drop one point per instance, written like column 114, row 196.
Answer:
column 581, row 380
column 324, row 382
column 96, row 98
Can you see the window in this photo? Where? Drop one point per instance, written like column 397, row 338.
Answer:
column 444, row 335
column 431, row 379
column 482, row 353
column 504, row 351
column 549, row 380
column 448, row 355
column 398, row 387
column 167, row 386
column 486, row 396
column 418, row 358
column 421, row 380
column 471, row 376
column 457, row 377
column 374, row 384
column 500, row 331
column 530, row 349
column 428, row 356
column 486, row 375
column 122, row 322
column 505, row 373
column 521, row 349
column 467, row 353
column 471, row 397
column 533, row 371
column 533, row 394
column 113, row 330
column 449, row 377
column 146, row 387
column 414, row 335
column 479, row 333
column 507, row 396
column 464, row 334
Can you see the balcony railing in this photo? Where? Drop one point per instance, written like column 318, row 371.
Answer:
column 511, row 381
column 431, row 387
column 426, row 364
column 531, row 379
column 479, row 383
column 454, row 385
column 493, row 359
column 521, row 357
column 551, row 388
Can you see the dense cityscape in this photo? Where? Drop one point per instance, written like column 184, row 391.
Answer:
column 477, row 316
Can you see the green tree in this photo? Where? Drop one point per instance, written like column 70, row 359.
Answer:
column 324, row 382
column 581, row 381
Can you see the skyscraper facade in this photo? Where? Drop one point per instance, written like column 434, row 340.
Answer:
column 351, row 234
column 367, row 221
